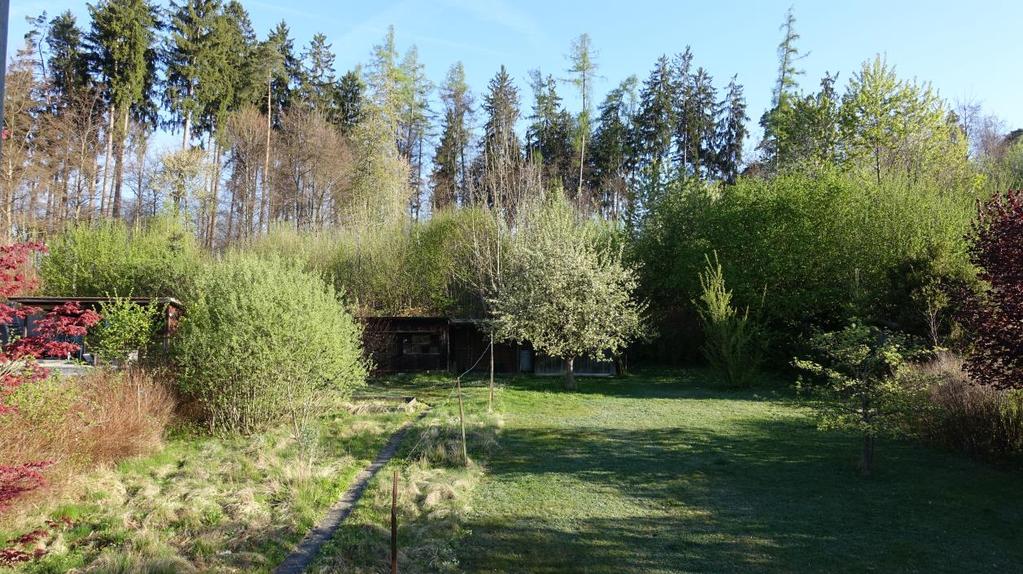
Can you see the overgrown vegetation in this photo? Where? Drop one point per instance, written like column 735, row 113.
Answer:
column 261, row 339
column 201, row 503
column 111, row 258
column 126, row 330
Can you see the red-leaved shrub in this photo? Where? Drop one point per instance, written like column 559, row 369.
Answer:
column 996, row 317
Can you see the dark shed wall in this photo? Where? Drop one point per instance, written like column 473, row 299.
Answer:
column 406, row 344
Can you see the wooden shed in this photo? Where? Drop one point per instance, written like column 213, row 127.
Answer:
column 424, row 344
column 170, row 313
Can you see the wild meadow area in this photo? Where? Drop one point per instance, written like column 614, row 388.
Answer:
column 261, row 315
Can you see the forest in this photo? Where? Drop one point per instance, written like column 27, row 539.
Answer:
column 808, row 319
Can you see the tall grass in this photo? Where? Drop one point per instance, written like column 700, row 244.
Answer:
column 980, row 421
column 79, row 423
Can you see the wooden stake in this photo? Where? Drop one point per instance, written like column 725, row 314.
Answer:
column 490, row 401
column 461, row 421
column 394, row 523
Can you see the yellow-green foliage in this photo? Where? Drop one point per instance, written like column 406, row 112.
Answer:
column 399, row 268
column 126, row 327
column 823, row 247
column 733, row 341
column 112, row 258
column 260, row 339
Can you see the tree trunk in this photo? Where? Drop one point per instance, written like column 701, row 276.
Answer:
column 490, row 399
column 214, row 192
column 122, row 136
column 867, row 464
column 570, row 373
column 105, row 188
column 267, row 193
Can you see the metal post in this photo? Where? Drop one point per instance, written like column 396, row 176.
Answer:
column 461, row 421
column 490, row 400
column 394, row 523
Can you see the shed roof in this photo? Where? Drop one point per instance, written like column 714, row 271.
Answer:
column 50, row 301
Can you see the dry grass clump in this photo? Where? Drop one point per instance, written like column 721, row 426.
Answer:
column 76, row 423
column 979, row 420
column 435, row 491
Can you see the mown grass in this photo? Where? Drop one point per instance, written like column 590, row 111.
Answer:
column 666, row 472
column 206, row 503
column 670, row 474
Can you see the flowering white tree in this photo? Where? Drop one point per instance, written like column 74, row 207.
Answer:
column 566, row 289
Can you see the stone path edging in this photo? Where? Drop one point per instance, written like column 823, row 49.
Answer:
column 303, row 555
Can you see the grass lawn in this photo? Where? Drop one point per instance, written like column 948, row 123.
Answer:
column 669, row 474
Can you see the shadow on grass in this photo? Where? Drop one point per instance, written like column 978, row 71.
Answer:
column 763, row 495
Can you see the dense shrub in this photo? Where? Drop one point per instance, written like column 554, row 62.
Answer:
column 109, row 257
column 396, row 269
column 818, row 249
column 996, row 317
column 261, row 337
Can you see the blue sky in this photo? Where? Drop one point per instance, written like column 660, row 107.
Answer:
column 968, row 51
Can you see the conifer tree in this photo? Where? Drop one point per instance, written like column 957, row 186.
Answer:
column 414, row 123
column 549, row 138
column 317, row 84
column 450, row 176
column 655, row 125
column 347, row 105
column 68, row 66
column 582, row 73
column 611, row 153
column 501, row 147
column 731, row 132
column 777, row 120
column 122, row 52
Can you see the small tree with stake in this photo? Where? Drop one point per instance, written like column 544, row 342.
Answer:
column 858, row 367
column 566, row 290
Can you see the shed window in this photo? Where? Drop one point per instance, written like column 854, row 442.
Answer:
column 420, row 344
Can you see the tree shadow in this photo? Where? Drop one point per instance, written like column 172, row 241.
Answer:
column 762, row 495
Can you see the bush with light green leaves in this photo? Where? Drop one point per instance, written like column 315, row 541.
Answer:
column 262, row 342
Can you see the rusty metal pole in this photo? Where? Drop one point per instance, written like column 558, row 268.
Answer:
column 394, row 523
column 461, row 421
column 490, row 400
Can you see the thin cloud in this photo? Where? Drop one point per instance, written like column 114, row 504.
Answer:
column 502, row 13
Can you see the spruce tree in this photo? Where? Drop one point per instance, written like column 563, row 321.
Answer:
column 68, row 66
column 317, row 84
column 655, row 125
column 347, row 107
column 450, row 176
column 611, row 151
column 731, row 132
column 122, row 52
column 549, row 137
column 501, row 147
